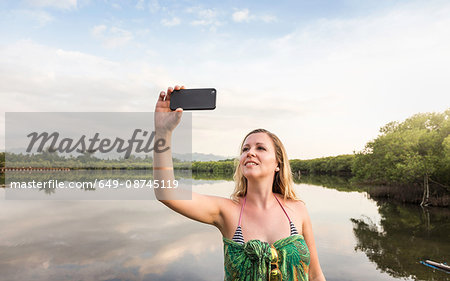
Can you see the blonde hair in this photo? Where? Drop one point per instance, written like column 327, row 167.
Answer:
column 282, row 182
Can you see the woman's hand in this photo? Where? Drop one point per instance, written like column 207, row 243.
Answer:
column 166, row 120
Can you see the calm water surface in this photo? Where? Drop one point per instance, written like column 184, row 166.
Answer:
column 356, row 237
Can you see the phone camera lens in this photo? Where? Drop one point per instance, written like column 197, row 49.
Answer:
column 213, row 92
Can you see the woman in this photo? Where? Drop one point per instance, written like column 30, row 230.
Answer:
column 266, row 230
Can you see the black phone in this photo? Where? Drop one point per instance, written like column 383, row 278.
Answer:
column 193, row 99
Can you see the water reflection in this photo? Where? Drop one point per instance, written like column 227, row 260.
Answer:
column 100, row 241
column 357, row 238
column 116, row 184
column 405, row 236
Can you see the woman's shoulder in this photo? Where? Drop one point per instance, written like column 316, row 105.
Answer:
column 229, row 213
column 295, row 205
column 228, row 202
column 222, row 204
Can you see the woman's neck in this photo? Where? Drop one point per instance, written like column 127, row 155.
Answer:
column 259, row 194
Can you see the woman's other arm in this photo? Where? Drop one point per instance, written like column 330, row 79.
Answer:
column 315, row 271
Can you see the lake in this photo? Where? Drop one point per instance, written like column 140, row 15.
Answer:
column 357, row 238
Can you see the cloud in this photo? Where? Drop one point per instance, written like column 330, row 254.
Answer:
column 327, row 85
column 57, row 4
column 116, row 6
column 245, row 16
column 111, row 37
column 241, row 15
column 192, row 244
column 205, row 17
column 36, row 77
column 153, row 6
column 140, row 4
column 98, row 30
column 42, row 18
column 268, row 18
column 173, row 21
column 117, row 241
column 65, row 80
column 331, row 83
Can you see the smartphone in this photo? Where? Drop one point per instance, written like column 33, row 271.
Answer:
column 193, row 99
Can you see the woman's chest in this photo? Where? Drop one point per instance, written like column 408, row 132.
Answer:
column 269, row 226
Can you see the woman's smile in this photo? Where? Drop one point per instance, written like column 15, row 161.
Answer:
column 250, row 164
column 258, row 156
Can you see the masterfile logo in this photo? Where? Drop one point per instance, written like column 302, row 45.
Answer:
column 94, row 155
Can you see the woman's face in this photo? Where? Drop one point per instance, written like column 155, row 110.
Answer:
column 258, row 158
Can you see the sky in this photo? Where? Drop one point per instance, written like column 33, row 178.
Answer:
column 322, row 75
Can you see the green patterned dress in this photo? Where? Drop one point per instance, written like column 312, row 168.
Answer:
column 251, row 260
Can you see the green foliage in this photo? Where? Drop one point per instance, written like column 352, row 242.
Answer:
column 329, row 165
column 341, row 164
column 340, row 183
column 216, row 167
column 406, row 152
column 86, row 160
column 212, row 176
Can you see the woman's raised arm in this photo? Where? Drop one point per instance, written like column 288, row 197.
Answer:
column 203, row 208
